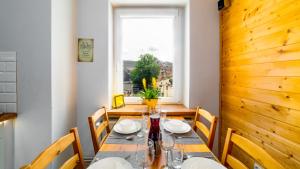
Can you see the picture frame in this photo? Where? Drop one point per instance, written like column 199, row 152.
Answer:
column 118, row 101
column 85, row 50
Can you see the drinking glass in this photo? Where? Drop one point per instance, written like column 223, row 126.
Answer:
column 163, row 116
column 177, row 157
column 144, row 129
column 167, row 143
column 158, row 108
column 145, row 155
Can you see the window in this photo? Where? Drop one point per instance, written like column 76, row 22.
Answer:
column 158, row 32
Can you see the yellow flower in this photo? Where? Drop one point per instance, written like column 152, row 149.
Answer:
column 154, row 82
column 144, row 83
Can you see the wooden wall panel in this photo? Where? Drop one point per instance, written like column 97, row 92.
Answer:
column 261, row 76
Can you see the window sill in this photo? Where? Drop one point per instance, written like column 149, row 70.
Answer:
column 138, row 109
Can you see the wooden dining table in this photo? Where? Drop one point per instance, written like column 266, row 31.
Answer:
column 109, row 149
column 139, row 109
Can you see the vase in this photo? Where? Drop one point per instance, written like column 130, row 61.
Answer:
column 151, row 103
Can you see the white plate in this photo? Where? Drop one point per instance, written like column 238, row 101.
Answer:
column 127, row 126
column 201, row 163
column 111, row 163
column 176, row 126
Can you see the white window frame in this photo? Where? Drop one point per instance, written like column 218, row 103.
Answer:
column 177, row 15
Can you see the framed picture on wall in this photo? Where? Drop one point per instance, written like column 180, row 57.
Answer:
column 85, row 50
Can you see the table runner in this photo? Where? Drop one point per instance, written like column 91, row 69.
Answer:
column 186, row 138
column 116, row 138
column 130, row 156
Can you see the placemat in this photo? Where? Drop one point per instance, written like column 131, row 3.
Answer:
column 117, row 138
column 186, row 138
column 130, row 156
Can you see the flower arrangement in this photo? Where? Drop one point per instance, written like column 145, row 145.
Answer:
column 150, row 92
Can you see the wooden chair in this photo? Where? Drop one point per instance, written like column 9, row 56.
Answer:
column 97, row 131
column 48, row 155
column 253, row 150
column 208, row 133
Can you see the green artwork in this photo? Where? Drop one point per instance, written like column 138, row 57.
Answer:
column 85, row 50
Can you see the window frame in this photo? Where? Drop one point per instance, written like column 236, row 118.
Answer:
column 177, row 15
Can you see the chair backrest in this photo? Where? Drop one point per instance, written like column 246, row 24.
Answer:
column 96, row 131
column 253, row 150
column 208, row 133
column 49, row 154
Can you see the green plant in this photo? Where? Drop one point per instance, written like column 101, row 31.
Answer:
column 150, row 91
column 146, row 67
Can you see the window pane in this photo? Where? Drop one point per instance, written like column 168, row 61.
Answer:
column 148, row 36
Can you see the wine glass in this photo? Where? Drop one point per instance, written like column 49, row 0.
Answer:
column 167, row 143
column 163, row 116
column 145, row 155
column 177, row 157
column 144, row 129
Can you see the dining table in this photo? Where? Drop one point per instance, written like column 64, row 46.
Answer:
column 191, row 143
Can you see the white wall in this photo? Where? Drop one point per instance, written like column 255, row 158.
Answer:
column 204, row 56
column 6, row 144
column 25, row 28
column 63, row 69
column 8, row 80
column 92, row 77
column 93, row 22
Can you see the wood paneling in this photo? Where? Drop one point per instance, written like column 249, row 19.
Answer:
column 261, row 76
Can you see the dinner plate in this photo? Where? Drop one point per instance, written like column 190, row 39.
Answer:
column 111, row 163
column 201, row 163
column 176, row 126
column 127, row 126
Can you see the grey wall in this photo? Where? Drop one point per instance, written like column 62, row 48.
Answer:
column 204, row 57
column 7, row 104
column 46, row 82
column 6, row 144
column 25, row 28
column 93, row 77
column 63, row 69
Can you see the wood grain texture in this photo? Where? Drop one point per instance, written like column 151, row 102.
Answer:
column 7, row 116
column 96, row 131
column 55, row 149
column 209, row 133
column 138, row 109
column 252, row 149
column 260, row 66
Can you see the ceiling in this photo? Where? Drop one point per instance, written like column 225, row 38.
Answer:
column 148, row 2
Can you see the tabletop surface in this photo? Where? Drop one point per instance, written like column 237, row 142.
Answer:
column 137, row 109
column 109, row 149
